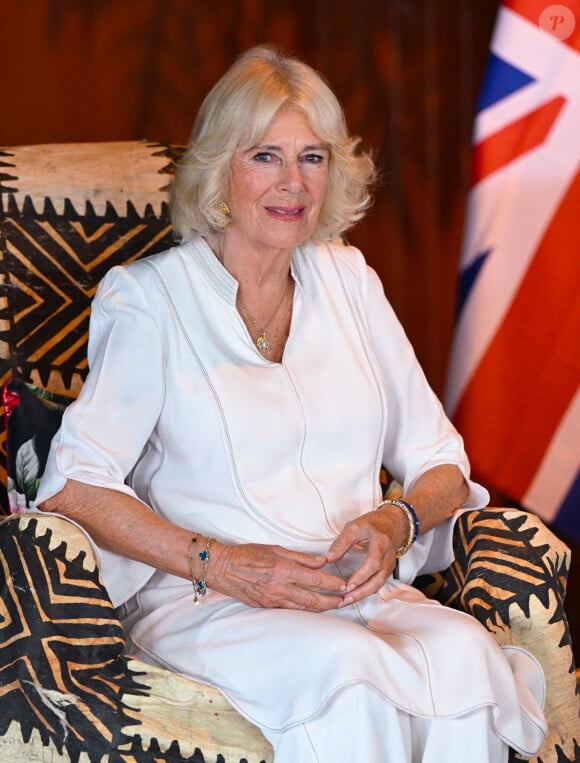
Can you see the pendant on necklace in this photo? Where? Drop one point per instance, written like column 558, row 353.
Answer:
column 262, row 343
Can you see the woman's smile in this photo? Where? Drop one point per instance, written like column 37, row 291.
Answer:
column 286, row 213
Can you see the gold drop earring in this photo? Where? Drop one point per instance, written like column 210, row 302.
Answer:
column 226, row 213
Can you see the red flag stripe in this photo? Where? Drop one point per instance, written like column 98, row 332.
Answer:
column 541, row 13
column 515, row 139
column 530, row 371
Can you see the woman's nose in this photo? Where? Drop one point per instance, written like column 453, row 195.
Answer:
column 291, row 178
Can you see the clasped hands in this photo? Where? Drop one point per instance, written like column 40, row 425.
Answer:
column 274, row 577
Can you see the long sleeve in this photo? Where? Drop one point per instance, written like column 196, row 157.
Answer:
column 105, row 430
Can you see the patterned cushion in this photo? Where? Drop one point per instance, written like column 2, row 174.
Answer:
column 66, row 690
column 510, row 573
column 33, row 416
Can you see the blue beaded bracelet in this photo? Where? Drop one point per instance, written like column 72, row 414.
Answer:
column 412, row 518
column 199, row 586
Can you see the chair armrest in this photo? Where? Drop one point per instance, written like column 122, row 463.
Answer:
column 67, row 690
column 510, row 572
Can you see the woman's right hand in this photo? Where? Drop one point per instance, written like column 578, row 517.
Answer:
column 273, row 577
column 258, row 575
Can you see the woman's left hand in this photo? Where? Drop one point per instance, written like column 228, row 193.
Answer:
column 436, row 493
column 381, row 533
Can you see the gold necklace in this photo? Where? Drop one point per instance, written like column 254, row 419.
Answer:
column 262, row 342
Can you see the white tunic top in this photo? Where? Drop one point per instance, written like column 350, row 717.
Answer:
column 181, row 410
column 210, row 434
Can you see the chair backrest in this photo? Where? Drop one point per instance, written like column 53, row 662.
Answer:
column 68, row 213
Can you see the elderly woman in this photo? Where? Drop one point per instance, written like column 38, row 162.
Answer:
column 245, row 388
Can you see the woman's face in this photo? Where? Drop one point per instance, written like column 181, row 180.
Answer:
column 277, row 187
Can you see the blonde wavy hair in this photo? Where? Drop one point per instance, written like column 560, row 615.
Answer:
column 235, row 115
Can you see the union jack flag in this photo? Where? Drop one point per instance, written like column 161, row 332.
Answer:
column 514, row 377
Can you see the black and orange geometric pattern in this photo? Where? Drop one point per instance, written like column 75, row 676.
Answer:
column 509, row 573
column 53, row 253
column 52, row 265
column 59, row 635
column 66, row 690
column 489, row 556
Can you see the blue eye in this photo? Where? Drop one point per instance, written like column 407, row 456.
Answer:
column 313, row 158
column 263, row 156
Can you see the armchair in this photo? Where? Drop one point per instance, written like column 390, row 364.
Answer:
column 67, row 693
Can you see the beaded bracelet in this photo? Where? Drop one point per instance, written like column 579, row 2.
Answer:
column 412, row 518
column 199, row 586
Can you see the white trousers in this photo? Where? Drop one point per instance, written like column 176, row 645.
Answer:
column 377, row 732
